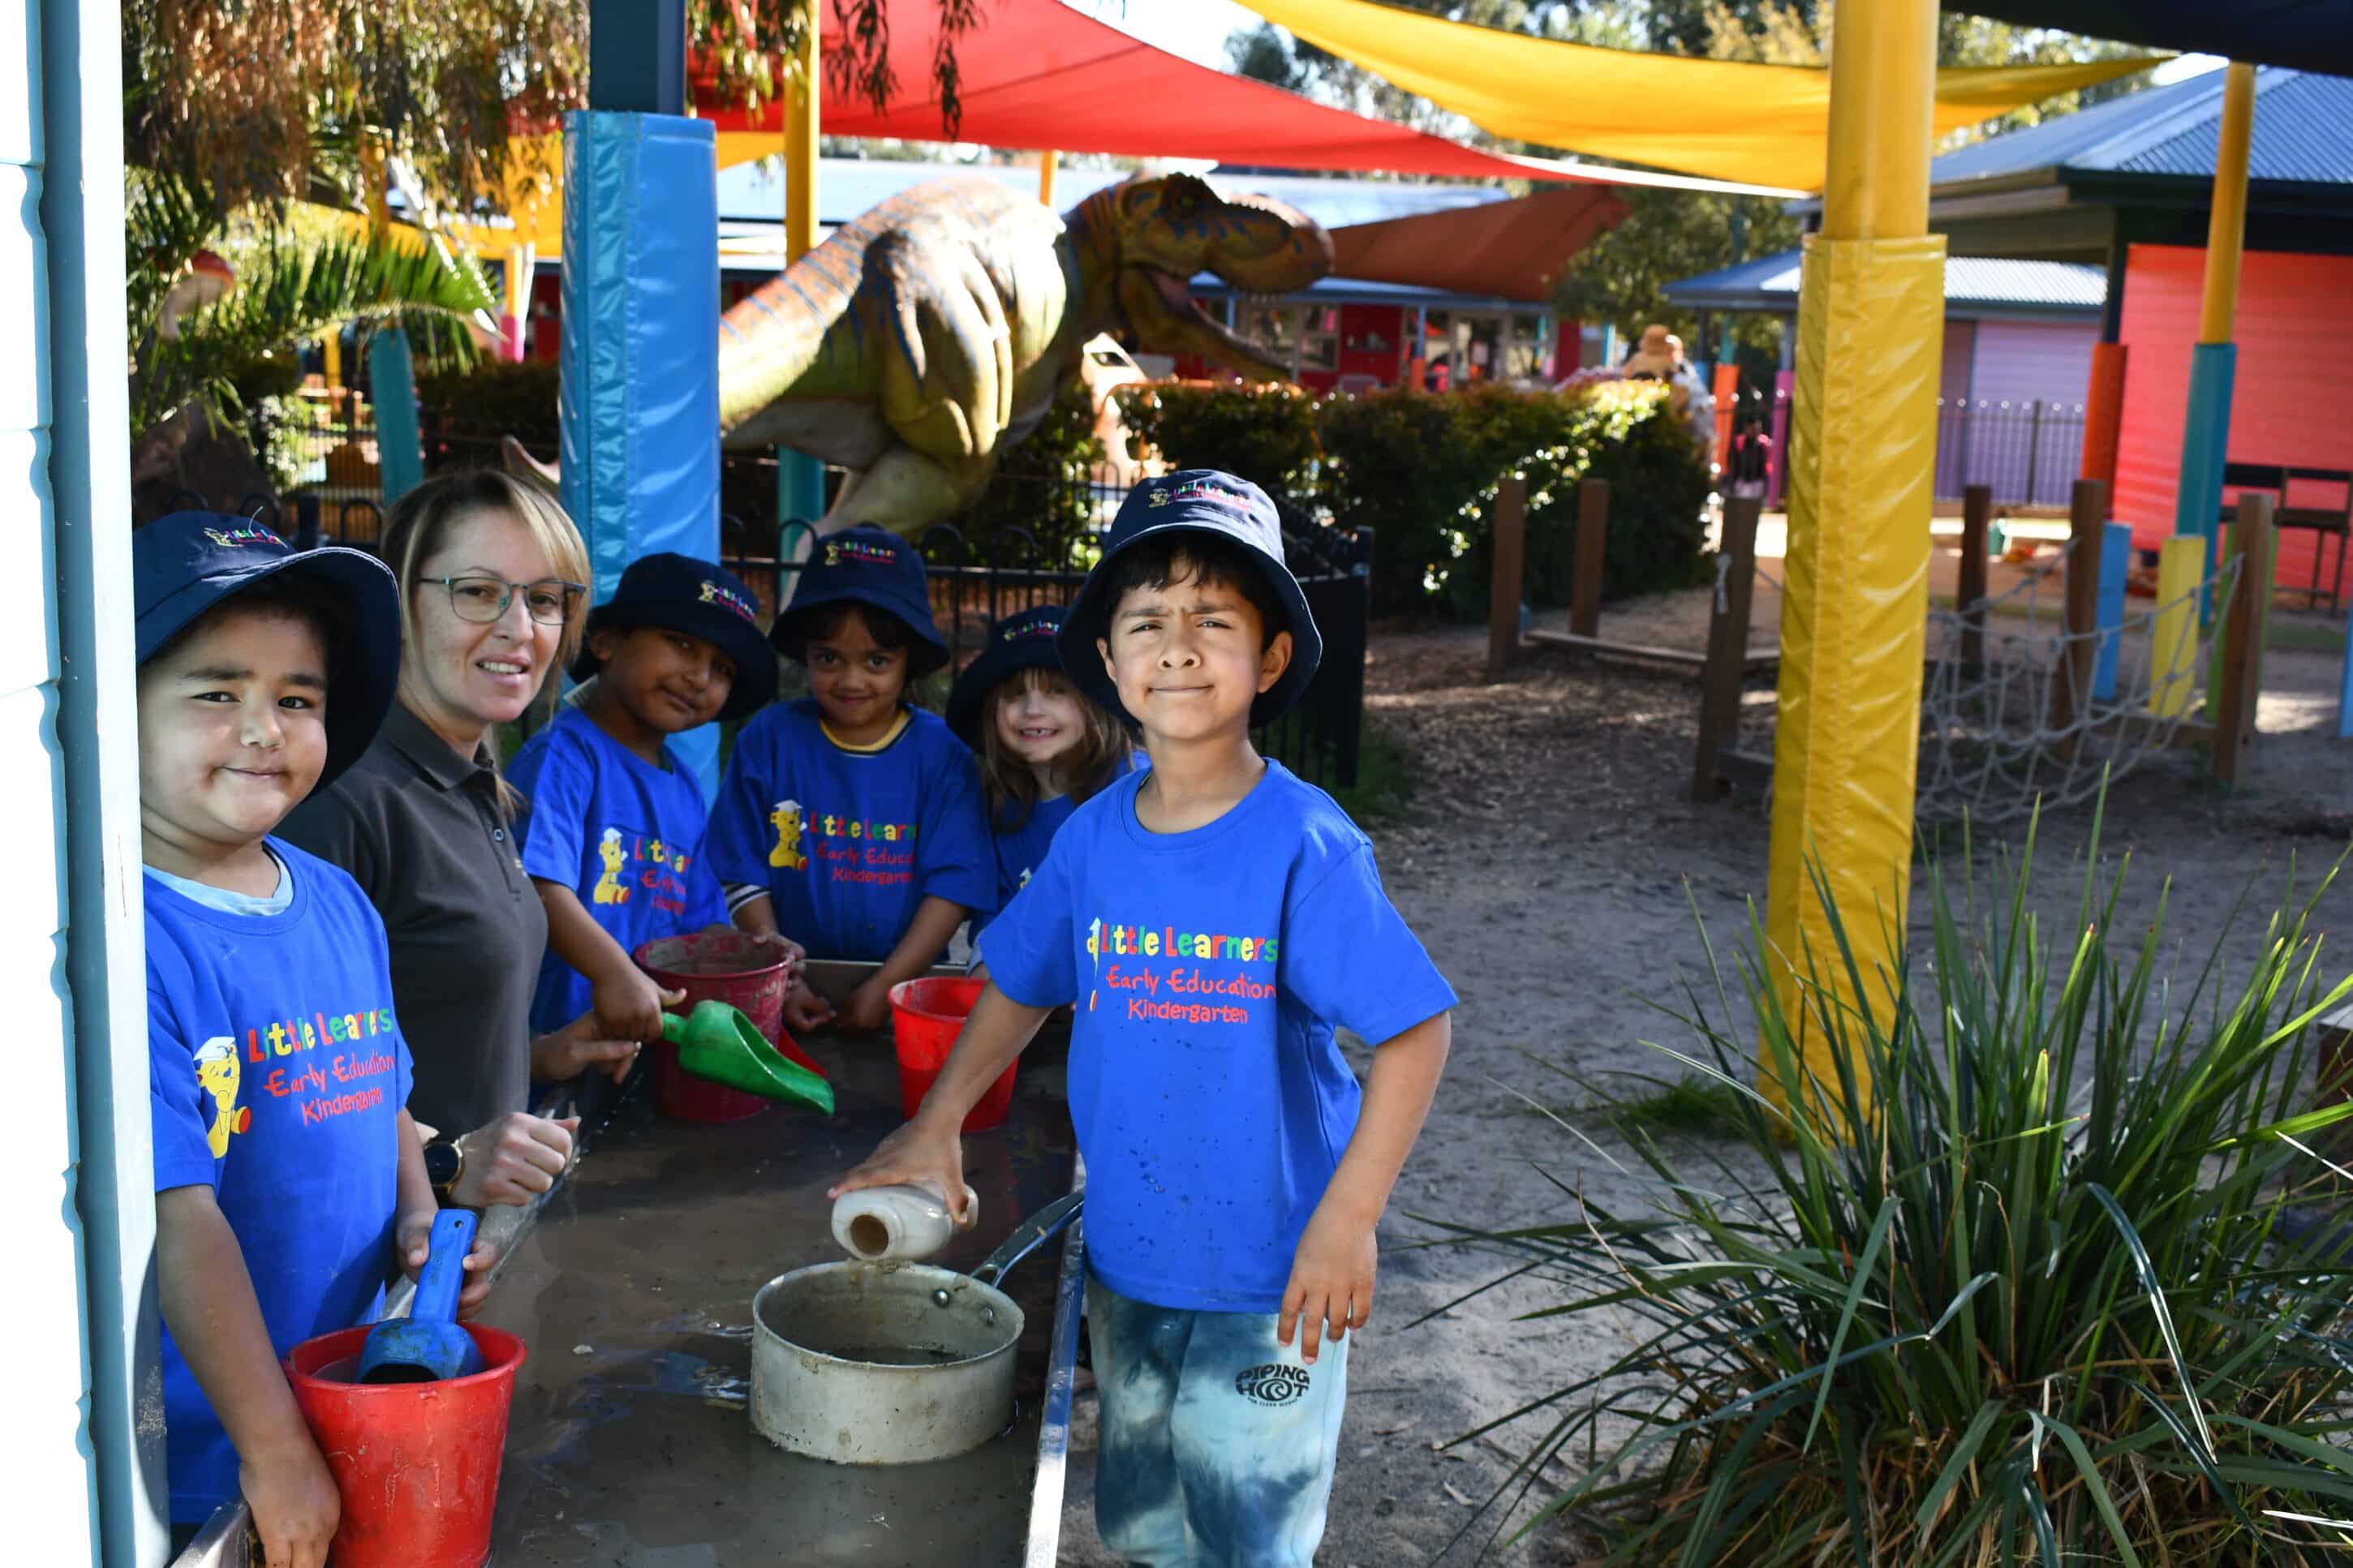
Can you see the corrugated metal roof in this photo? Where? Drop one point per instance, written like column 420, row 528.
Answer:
column 849, row 187
column 2303, row 133
column 1771, row 283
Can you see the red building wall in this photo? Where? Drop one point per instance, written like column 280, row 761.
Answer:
column 2287, row 403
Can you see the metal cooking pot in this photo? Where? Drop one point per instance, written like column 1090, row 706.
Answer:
column 884, row 1364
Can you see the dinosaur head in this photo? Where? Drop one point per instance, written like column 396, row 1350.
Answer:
column 1170, row 229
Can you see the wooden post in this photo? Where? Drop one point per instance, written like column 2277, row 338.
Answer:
column 1592, row 545
column 2242, row 664
column 1969, row 597
column 1727, row 670
column 2071, row 673
column 1507, row 539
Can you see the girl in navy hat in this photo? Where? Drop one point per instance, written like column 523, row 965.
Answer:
column 849, row 820
column 1044, row 748
column 614, row 838
column 289, row 1174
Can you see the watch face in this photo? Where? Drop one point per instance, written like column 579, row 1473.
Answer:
column 441, row 1164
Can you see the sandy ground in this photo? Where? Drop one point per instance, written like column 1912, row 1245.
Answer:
column 1546, row 860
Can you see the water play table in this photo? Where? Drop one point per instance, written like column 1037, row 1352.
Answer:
column 629, row 1443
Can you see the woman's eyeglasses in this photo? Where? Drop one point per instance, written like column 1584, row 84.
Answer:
column 483, row 600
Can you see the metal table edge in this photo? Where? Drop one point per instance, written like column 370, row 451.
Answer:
column 1061, row 1371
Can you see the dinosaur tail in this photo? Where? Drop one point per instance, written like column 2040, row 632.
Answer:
column 771, row 337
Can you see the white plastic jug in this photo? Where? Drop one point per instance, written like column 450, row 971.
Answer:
column 878, row 1225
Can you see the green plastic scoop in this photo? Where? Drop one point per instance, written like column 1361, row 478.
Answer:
column 719, row 1043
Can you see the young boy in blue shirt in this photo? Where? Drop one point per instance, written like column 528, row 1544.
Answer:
column 614, row 838
column 850, row 821
column 1214, row 919
column 287, row 1169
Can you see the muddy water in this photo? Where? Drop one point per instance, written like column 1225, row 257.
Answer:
column 630, row 1444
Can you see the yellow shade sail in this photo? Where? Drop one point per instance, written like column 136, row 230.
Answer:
column 1729, row 120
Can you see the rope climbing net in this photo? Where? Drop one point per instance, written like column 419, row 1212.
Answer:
column 2017, row 708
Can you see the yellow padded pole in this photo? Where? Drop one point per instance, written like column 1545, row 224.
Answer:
column 1046, row 162
column 2226, row 220
column 1882, row 118
column 2173, row 635
column 1869, row 335
column 801, row 105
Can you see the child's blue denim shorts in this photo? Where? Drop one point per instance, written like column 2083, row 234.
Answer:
column 1218, row 1444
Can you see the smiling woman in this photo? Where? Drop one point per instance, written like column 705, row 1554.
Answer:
column 491, row 579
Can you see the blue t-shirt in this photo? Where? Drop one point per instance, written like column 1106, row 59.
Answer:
column 1210, row 969
column 1021, row 850
column 625, row 835
column 276, row 1075
column 848, row 844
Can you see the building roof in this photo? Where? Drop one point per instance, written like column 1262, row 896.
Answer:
column 2303, row 134
column 2313, row 34
column 849, row 187
column 1973, row 286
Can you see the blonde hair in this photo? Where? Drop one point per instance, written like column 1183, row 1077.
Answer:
column 421, row 521
column 1100, row 755
column 422, row 518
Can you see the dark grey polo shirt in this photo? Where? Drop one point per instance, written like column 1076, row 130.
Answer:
column 420, row 828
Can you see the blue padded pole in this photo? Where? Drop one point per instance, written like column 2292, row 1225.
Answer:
column 637, row 389
column 2345, row 689
column 2115, row 565
column 392, row 387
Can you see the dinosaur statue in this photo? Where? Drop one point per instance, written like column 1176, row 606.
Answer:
column 918, row 343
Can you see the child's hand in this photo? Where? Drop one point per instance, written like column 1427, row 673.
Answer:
column 415, row 1245
column 805, row 1010
column 513, row 1160
column 628, row 1004
column 578, row 1045
column 913, row 1156
column 1331, row 1281
column 295, row 1504
column 867, row 1010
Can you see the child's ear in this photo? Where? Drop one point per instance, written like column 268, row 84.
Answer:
column 1103, row 646
column 604, row 642
column 1275, row 661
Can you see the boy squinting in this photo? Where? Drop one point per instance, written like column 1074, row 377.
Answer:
column 1214, row 921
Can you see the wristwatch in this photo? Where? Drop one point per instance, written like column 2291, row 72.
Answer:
column 444, row 1164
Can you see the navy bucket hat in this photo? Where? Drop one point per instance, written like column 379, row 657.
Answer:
column 701, row 599
column 867, row 565
column 1194, row 501
column 1026, row 641
column 185, row 565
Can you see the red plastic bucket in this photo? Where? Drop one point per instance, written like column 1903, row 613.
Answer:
column 724, row 966
column 416, row 1463
column 926, row 1016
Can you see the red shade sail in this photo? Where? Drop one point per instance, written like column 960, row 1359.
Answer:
column 1036, row 75
column 1514, row 250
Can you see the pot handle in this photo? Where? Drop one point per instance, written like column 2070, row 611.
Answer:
column 1028, row 1236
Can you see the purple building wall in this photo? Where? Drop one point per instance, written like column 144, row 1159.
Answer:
column 2015, row 421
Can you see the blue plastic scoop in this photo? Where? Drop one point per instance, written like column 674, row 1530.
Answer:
column 429, row 1344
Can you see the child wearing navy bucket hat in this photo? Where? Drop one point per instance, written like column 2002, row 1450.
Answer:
column 1216, row 921
column 851, row 820
column 1044, row 748
column 287, row 1173
column 614, row 838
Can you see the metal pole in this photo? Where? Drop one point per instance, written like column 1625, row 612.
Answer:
column 2213, row 363
column 1046, row 162
column 800, row 478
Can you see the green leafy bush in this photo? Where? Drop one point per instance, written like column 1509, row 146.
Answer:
column 1420, row 468
column 2049, row 1307
column 1265, row 431
column 475, row 407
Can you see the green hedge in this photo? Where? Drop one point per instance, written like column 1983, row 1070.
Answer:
column 1421, row 469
